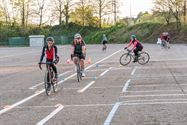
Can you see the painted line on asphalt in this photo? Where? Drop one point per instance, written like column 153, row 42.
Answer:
column 126, row 86
column 155, row 91
column 151, row 100
column 153, row 103
column 134, row 70
column 102, row 74
column 112, row 113
column 20, row 102
column 47, row 118
column 86, row 87
column 154, row 95
column 34, row 87
column 39, row 92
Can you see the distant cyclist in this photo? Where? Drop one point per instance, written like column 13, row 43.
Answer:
column 165, row 39
column 104, row 41
column 78, row 51
column 137, row 46
column 50, row 51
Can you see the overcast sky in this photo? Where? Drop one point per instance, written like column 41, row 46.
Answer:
column 136, row 7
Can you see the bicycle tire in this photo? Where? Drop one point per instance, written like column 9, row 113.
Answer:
column 143, row 58
column 48, row 92
column 125, row 57
column 54, row 84
column 78, row 73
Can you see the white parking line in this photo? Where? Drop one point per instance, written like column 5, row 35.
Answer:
column 126, row 86
column 151, row 100
column 154, row 95
column 86, row 87
column 134, row 70
column 112, row 113
column 43, row 121
column 20, row 102
column 102, row 74
column 155, row 91
column 39, row 92
column 34, row 87
column 153, row 103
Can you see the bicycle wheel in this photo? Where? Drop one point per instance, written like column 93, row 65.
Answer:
column 78, row 73
column 143, row 58
column 125, row 59
column 54, row 83
column 46, row 84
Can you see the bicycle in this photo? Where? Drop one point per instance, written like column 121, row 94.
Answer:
column 143, row 58
column 49, row 79
column 78, row 68
column 165, row 44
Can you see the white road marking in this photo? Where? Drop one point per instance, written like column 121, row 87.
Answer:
column 34, row 87
column 36, row 94
column 112, row 113
column 134, row 70
column 126, row 86
column 43, row 121
column 156, row 85
column 153, row 103
column 154, row 95
column 151, row 100
column 20, row 102
column 155, row 91
column 86, row 87
column 102, row 74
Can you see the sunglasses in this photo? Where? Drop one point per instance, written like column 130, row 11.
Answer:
column 78, row 38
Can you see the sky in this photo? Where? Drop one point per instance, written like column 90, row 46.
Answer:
column 136, row 7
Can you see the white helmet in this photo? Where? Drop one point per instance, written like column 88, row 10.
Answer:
column 77, row 35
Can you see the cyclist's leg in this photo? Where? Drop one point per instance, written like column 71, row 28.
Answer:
column 82, row 58
column 48, row 82
column 136, row 55
column 55, row 70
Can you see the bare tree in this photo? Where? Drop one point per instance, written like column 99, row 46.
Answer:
column 4, row 9
column 63, row 8
column 173, row 6
column 102, row 8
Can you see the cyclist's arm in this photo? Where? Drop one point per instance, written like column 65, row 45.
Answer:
column 129, row 44
column 72, row 49
column 83, row 49
column 135, row 44
column 56, row 51
column 43, row 54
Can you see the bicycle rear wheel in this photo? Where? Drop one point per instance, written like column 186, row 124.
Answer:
column 143, row 58
column 125, row 59
column 46, row 84
column 54, row 83
column 78, row 73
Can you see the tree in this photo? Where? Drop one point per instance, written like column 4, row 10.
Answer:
column 102, row 8
column 4, row 11
column 89, row 18
column 175, row 7
column 23, row 7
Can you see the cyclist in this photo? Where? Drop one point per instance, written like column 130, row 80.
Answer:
column 137, row 46
column 165, row 39
column 78, row 50
column 104, row 41
column 50, row 51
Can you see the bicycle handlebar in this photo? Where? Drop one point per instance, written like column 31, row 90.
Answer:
column 48, row 63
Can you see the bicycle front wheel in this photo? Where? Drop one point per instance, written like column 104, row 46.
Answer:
column 125, row 59
column 47, row 84
column 143, row 58
column 54, row 83
column 78, row 73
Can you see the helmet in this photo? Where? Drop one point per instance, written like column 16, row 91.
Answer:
column 77, row 35
column 50, row 39
column 133, row 36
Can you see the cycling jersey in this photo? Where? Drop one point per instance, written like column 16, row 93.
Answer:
column 50, row 54
column 136, row 44
column 78, row 47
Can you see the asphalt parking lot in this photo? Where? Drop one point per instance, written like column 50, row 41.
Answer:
column 110, row 94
